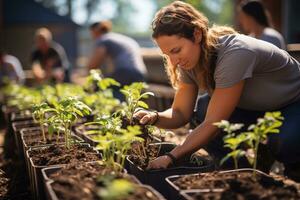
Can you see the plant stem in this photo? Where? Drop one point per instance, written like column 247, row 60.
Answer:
column 235, row 163
column 43, row 132
column 255, row 155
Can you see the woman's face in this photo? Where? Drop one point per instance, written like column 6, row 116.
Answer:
column 182, row 52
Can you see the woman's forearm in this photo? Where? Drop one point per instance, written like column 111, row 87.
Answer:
column 171, row 119
column 196, row 139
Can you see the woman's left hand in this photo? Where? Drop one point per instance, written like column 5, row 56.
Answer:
column 161, row 162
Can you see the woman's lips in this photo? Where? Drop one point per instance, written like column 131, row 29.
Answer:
column 184, row 66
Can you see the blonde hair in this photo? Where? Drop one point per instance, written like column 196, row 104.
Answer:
column 44, row 33
column 191, row 19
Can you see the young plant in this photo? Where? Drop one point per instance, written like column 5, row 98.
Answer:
column 115, row 145
column 259, row 132
column 256, row 134
column 133, row 95
column 95, row 79
column 232, row 141
column 39, row 115
column 25, row 98
column 66, row 113
column 100, row 95
column 114, row 188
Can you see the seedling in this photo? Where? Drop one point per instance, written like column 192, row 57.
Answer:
column 39, row 115
column 256, row 134
column 134, row 99
column 101, row 98
column 259, row 132
column 115, row 145
column 114, row 188
column 232, row 141
column 66, row 113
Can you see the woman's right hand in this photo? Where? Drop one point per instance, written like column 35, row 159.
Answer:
column 146, row 116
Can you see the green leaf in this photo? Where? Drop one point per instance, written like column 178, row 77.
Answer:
column 142, row 104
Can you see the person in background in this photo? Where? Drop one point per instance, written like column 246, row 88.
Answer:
column 244, row 77
column 118, row 56
column 49, row 61
column 10, row 69
column 255, row 20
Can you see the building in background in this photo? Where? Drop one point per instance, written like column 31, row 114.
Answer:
column 20, row 18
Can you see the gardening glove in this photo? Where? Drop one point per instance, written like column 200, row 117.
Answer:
column 146, row 116
column 161, row 162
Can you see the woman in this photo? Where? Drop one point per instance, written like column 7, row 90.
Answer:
column 244, row 77
column 254, row 19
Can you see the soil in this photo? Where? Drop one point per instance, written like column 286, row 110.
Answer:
column 82, row 182
column 58, row 154
column 195, row 160
column 145, row 133
column 237, row 185
column 35, row 138
column 142, row 161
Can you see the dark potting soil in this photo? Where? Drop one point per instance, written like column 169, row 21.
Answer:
column 80, row 182
column 56, row 154
column 237, row 185
column 35, row 138
column 141, row 160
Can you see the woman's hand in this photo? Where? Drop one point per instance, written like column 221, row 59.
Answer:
column 161, row 162
column 146, row 117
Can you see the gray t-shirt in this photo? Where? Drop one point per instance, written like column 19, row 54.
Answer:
column 124, row 52
column 272, row 76
column 274, row 37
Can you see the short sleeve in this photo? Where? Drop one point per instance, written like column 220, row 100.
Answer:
column 234, row 66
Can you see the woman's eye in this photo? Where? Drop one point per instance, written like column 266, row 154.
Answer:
column 176, row 50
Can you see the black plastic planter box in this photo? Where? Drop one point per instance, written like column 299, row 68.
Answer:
column 51, row 195
column 156, row 178
column 36, row 176
column 48, row 171
column 17, row 127
column 190, row 194
column 36, row 131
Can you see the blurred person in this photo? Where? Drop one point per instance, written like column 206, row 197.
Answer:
column 118, row 56
column 255, row 20
column 49, row 60
column 10, row 69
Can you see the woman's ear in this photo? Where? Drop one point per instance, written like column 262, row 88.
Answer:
column 197, row 35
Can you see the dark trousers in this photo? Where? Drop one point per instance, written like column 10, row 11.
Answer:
column 283, row 147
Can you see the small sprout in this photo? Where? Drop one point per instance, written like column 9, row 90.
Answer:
column 133, row 95
column 256, row 134
column 115, row 189
column 66, row 113
column 232, row 141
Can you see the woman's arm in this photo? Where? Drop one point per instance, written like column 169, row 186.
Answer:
column 221, row 105
column 180, row 112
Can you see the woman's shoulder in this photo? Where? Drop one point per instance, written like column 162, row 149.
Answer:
column 237, row 42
